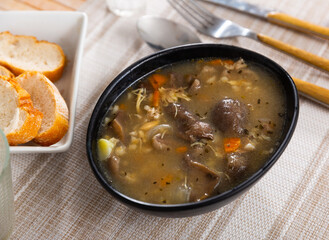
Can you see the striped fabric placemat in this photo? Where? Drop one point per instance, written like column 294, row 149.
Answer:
column 57, row 196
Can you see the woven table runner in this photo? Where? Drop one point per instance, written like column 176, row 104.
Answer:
column 58, row 197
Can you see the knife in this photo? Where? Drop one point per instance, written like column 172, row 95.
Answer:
column 274, row 16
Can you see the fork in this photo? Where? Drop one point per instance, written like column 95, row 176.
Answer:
column 208, row 24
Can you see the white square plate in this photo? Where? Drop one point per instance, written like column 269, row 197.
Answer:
column 68, row 29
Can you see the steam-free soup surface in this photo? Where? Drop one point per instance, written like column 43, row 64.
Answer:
column 191, row 130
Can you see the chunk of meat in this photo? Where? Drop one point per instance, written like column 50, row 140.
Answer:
column 230, row 116
column 189, row 125
column 201, row 179
column 236, row 164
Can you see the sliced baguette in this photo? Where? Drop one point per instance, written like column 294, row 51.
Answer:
column 47, row 99
column 5, row 72
column 19, row 120
column 25, row 53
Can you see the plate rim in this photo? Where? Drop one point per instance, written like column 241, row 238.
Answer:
column 77, row 59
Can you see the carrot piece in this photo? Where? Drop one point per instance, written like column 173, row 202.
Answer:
column 157, row 80
column 228, row 62
column 156, row 98
column 216, row 62
column 122, row 106
column 231, row 144
column 182, row 149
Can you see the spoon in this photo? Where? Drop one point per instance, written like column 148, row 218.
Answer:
column 160, row 33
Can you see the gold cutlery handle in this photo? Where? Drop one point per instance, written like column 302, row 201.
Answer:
column 297, row 52
column 320, row 94
column 295, row 23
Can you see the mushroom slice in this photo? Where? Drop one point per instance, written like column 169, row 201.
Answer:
column 117, row 126
column 230, row 116
column 113, row 165
column 189, row 125
column 236, row 163
column 195, row 87
column 159, row 143
column 118, row 129
column 201, row 179
column 162, row 128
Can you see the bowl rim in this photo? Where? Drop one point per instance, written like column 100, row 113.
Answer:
column 208, row 201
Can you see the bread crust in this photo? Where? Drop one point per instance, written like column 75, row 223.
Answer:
column 5, row 72
column 60, row 124
column 51, row 74
column 33, row 119
column 55, row 133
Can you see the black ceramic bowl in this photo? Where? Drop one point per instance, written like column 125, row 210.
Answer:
column 138, row 70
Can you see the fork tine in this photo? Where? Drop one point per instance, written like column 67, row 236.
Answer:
column 181, row 9
column 190, row 14
column 201, row 11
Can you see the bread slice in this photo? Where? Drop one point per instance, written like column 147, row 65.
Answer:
column 19, row 120
column 5, row 72
column 25, row 53
column 47, row 99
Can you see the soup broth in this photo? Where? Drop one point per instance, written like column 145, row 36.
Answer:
column 191, row 130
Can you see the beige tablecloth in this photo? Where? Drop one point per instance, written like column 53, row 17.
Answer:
column 58, row 197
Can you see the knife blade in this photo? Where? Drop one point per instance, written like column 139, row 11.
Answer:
column 243, row 7
column 274, row 16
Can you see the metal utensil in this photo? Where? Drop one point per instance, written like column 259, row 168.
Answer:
column 208, row 24
column 274, row 16
column 167, row 35
column 160, row 33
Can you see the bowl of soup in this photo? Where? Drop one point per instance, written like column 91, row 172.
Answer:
column 189, row 129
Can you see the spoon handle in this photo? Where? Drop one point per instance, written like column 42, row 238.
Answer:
column 297, row 52
column 295, row 23
column 317, row 93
